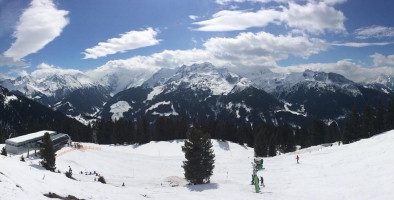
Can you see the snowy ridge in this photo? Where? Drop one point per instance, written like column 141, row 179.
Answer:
column 77, row 93
column 48, row 85
column 206, row 77
column 361, row 170
column 384, row 80
column 278, row 83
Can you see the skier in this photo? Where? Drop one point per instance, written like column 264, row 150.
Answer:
column 297, row 158
column 262, row 181
column 252, row 179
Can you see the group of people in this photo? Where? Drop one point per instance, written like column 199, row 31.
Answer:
column 91, row 173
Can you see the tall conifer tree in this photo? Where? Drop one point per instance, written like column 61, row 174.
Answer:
column 200, row 157
column 367, row 125
column 48, row 153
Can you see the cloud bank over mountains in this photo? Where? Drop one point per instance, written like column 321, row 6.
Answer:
column 238, row 38
column 38, row 25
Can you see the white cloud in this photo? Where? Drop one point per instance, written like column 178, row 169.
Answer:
column 374, row 32
column 193, row 17
column 329, row 2
column 3, row 77
column 333, row 2
column 44, row 70
column 313, row 17
column 15, row 73
column 362, row 44
column 256, row 49
column 228, row 20
column 381, row 60
column 225, row 2
column 7, row 61
column 127, row 41
column 247, row 50
column 39, row 24
column 346, row 68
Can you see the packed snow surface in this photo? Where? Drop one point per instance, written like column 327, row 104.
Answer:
column 30, row 136
column 362, row 170
column 118, row 108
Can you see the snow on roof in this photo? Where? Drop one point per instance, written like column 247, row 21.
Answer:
column 29, row 137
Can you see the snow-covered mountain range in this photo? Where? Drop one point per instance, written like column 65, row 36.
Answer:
column 200, row 91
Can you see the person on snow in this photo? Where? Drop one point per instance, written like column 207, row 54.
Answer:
column 297, row 158
column 262, row 181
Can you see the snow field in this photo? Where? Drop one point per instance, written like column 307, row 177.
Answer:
column 362, row 170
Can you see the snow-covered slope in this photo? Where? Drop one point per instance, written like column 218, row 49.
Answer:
column 383, row 80
column 205, row 77
column 361, row 170
column 199, row 91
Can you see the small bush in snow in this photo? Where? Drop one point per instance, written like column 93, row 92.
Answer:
column 3, row 151
column 101, row 179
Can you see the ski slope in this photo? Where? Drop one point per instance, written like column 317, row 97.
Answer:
column 361, row 170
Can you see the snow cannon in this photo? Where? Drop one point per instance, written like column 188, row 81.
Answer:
column 256, row 183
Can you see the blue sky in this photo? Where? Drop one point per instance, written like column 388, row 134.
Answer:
column 253, row 34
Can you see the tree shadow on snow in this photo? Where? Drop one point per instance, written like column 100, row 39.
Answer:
column 37, row 166
column 224, row 145
column 203, row 187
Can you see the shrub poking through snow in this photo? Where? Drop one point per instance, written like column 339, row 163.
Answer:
column 3, row 151
column 102, row 179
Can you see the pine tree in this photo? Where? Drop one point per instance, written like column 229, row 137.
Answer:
column 272, row 146
column 367, row 125
column 146, row 131
column 4, row 151
column 261, row 143
column 318, row 132
column 305, row 137
column 355, row 125
column 139, row 133
column 346, row 135
column 199, row 156
column 333, row 133
column 290, row 140
column 389, row 117
column 248, row 135
column 160, row 132
column 379, row 120
column 48, row 153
